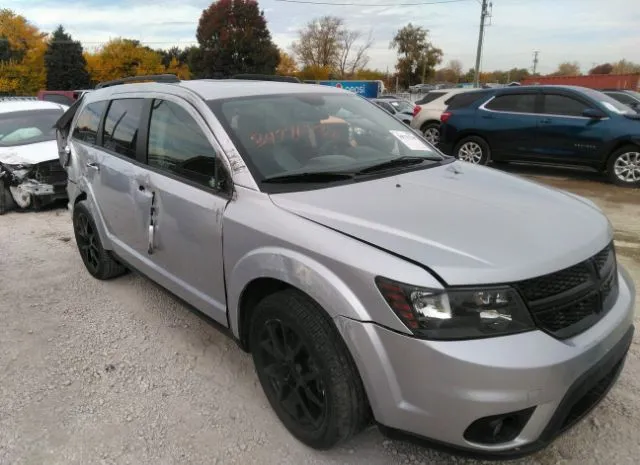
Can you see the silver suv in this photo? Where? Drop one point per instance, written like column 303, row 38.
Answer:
column 372, row 278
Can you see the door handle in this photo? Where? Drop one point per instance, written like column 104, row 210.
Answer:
column 93, row 165
column 152, row 224
column 152, row 232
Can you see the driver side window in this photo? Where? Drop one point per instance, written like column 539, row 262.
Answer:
column 178, row 146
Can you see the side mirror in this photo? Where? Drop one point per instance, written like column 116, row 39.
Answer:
column 593, row 113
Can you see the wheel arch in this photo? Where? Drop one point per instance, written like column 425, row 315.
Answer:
column 270, row 270
column 470, row 133
column 429, row 121
column 617, row 146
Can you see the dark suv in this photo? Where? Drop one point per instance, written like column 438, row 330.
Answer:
column 548, row 124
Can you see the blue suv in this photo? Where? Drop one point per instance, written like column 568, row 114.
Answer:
column 562, row 125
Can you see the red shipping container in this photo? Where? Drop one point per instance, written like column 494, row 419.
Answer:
column 592, row 81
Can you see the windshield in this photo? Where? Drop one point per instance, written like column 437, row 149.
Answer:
column 283, row 135
column 608, row 102
column 27, row 127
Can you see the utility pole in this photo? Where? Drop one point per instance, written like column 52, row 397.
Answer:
column 483, row 17
column 535, row 61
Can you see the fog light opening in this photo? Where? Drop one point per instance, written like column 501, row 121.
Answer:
column 498, row 429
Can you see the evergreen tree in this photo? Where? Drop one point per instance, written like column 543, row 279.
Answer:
column 65, row 64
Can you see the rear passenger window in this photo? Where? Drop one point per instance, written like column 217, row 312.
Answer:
column 86, row 129
column 178, row 145
column 513, row 103
column 563, row 105
column 121, row 126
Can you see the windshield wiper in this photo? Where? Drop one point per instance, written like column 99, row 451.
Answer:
column 313, row 176
column 396, row 162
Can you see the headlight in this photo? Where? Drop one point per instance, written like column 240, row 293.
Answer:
column 457, row 313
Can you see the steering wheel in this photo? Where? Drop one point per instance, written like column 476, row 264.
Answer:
column 330, row 147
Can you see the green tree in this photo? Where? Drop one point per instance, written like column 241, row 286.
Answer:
column 417, row 56
column 234, row 38
column 568, row 69
column 65, row 64
column 180, row 55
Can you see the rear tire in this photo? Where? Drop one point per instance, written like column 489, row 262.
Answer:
column 623, row 167
column 98, row 261
column 306, row 371
column 431, row 132
column 472, row 149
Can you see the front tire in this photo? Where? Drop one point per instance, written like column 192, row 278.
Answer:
column 473, row 150
column 623, row 167
column 306, row 371
column 98, row 261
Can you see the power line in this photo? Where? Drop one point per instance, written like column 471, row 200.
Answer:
column 310, row 2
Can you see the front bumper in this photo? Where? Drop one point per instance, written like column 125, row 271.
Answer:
column 437, row 389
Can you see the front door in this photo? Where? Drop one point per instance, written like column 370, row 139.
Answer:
column 565, row 135
column 189, row 191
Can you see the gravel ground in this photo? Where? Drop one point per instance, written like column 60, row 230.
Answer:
column 121, row 373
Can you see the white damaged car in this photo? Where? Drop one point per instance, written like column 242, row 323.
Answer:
column 30, row 171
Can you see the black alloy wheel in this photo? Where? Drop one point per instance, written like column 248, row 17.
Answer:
column 293, row 374
column 86, row 238
column 306, row 370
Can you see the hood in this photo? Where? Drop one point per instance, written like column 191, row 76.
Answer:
column 469, row 224
column 29, row 154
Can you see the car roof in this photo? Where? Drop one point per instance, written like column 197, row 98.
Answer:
column 10, row 106
column 517, row 89
column 214, row 89
column 217, row 89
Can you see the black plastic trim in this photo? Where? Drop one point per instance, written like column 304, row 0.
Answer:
column 165, row 78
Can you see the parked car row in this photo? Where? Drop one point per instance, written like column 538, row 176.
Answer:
column 403, row 110
column 537, row 124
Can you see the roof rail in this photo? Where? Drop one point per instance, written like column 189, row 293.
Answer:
column 167, row 78
column 267, row 77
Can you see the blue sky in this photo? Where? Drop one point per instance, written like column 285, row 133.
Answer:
column 587, row 31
